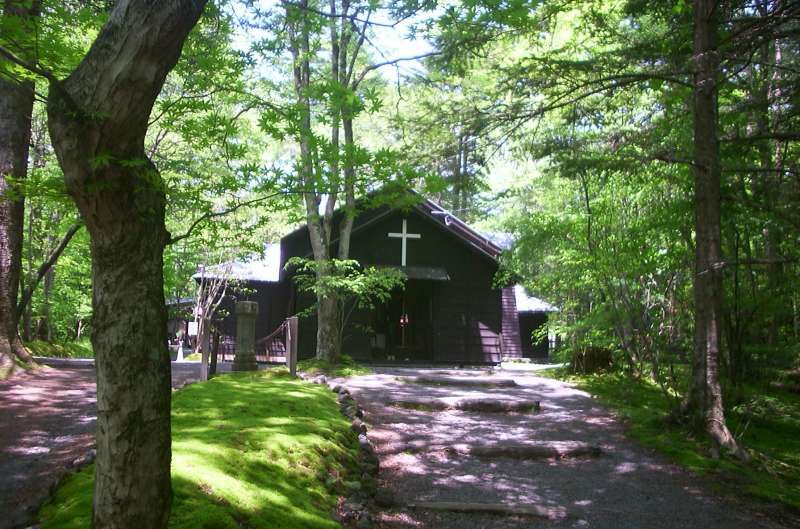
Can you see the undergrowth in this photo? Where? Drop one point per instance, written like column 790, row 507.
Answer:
column 766, row 420
column 78, row 349
column 345, row 367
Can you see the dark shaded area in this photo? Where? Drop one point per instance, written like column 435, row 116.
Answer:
column 47, row 422
column 530, row 322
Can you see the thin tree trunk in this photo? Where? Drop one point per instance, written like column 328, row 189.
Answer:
column 27, row 312
column 46, row 271
column 705, row 396
column 16, row 109
column 98, row 120
column 212, row 370
column 45, row 325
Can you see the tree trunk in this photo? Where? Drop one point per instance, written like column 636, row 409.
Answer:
column 212, row 370
column 16, row 109
column 98, row 120
column 202, row 346
column 705, row 394
column 27, row 312
column 45, row 325
column 328, row 343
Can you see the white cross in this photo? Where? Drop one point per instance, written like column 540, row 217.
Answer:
column 404, row 236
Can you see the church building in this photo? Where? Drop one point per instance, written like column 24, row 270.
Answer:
column 450, row 311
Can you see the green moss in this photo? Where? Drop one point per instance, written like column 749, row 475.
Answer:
column 193, row 357
column 345, row 367
column 256, row 450
column 79, row 349
column 767, row 421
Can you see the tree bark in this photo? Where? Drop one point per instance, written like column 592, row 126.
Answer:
column 705, row 393
column 16, row 109
column 98, row 119
column 212, row 370
column 46, row 271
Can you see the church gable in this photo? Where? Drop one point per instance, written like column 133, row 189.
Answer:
column 381, row 229
column 449, row 310
column 428, row 246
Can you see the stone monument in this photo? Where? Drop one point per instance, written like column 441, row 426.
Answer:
column 246, row 312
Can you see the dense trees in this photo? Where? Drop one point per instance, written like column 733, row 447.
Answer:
column 652, row 147
column 601, row 95
column 326, row 50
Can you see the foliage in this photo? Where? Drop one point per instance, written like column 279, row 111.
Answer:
column 344, row 367
column 351, row 285
column 274, row 455
column 362, row 287
column 599, row 96
column 441, row 140
column 74, row 349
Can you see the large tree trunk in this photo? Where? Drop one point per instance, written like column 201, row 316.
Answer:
column 705, row 395
column 328, row 342
column 98, row 120
column 16, row 108
column 318, row 224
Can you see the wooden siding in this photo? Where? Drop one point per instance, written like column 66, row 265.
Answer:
column 512, row 347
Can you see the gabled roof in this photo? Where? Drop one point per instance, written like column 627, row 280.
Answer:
column 435, row 213
column 459, row 228
column 528, row 303
column 266, row 270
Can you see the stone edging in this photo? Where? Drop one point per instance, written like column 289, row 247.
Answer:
column 356, row 509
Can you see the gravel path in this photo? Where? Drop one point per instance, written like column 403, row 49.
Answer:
column 429, row 456
column 47, row 422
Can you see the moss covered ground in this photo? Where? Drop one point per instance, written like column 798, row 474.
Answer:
column 78, row 349
column 256, row 450
column 345, row 367
column 765, row 419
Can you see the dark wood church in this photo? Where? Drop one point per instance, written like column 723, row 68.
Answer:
column 449, row 311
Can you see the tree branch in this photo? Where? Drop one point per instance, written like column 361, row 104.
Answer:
column 778, row 136
column 214, row 214
column 31, row 67
column 336, row 15
column 43, row 269
column 392, row 62
column 719, row 265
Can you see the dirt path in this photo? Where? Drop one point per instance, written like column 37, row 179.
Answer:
column 505, row 460
column 47, row 422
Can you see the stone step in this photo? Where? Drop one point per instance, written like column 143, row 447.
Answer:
column 527, row 451
column 459, row 381
column 488, row 405
column 500, row 450
column 549, row 512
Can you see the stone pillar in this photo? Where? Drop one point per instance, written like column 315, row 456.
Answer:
column 245, row 360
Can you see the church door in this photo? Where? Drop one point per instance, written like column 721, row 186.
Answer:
column 407, row 323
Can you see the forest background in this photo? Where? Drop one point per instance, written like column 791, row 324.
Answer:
column 572, row 127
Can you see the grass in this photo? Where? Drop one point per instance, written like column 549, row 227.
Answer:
column 767, row 422
column 255, row 450
column 345, row 367
column 79, row 349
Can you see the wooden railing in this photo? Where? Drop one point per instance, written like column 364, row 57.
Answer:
column 272, row 348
